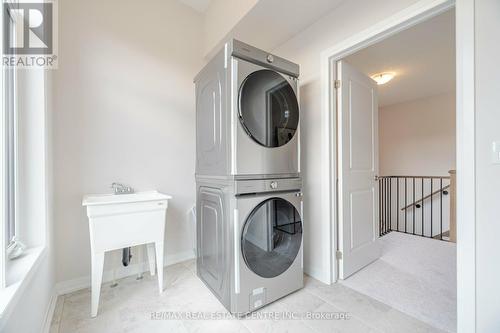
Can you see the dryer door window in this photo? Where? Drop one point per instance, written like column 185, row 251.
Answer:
column 271, row 237
column 268, row 108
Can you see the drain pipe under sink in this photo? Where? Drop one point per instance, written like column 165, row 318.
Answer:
column 126, row 256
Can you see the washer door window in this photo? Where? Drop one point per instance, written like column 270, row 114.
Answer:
column 268, row 108
column 271, row 237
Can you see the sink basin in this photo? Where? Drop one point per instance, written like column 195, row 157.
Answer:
column 119, row 204
column 106, row 199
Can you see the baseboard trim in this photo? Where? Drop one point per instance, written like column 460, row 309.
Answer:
column 317, row 274
column 69, row 286
column 49, row 314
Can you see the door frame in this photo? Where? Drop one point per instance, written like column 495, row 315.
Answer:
column 465, row 136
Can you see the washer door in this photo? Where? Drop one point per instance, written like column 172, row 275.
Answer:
column 271, row 238
column 268, row 108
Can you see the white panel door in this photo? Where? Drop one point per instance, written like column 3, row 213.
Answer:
column 357, row 169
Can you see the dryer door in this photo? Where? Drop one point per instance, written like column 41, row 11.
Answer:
column 268, row 108
column 271, row 237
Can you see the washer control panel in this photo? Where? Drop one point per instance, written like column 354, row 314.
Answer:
column 267, row 185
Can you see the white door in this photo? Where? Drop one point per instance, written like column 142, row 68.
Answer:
column 357, row 169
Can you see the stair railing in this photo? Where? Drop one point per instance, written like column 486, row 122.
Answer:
column 417, row 205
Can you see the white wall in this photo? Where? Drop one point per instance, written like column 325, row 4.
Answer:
column 348, row 19
column 124, row 111
column 417, row 138
column 220, row 17
column 487, row 23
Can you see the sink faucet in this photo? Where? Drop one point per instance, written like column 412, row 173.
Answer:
column 121, row 189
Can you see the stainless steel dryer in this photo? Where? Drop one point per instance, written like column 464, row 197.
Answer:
column 247, row 115
column 250, row 240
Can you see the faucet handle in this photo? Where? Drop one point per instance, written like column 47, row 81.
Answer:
column 116, row 187
column 119, row 188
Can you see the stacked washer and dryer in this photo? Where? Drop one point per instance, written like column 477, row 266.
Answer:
column 249, row 199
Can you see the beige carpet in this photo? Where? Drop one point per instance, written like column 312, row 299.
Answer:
column 415, row 275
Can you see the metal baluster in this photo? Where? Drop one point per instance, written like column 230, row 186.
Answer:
column 422, row 204
column 397, row 203
column 432, row 181
column 406, row 202
column 389, row 197
column 379, row 207
column 413, row 205
column 382, row 214
column 381, row 184
column 390, row 205
column 385, row 206
column 441, row 205
column 387, row 224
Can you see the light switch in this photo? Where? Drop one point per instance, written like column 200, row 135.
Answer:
column 495, row 155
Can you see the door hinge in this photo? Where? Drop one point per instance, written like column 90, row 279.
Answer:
column 338, row 255
column 337, row 84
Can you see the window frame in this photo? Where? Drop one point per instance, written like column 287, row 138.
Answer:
column 11, row 145
column 8, row 148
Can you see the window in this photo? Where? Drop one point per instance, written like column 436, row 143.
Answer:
column 22, row 183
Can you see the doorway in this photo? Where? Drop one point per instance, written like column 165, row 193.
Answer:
column 395, row 214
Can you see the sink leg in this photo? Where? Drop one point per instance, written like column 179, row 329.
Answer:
column 151, row 257
column 140, row 259
column 159, row 264
column 97, row 267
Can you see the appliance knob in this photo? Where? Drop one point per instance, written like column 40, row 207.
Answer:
column 274, row 185
column 270, row 58
column 298, row 194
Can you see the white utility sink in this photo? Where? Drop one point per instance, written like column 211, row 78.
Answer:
column 118, row 221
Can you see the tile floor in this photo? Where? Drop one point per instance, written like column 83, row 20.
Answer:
column 129, row 306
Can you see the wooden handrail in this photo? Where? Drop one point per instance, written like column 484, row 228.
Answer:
column 426, row 197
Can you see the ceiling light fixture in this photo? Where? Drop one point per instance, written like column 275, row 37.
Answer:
column 383, row 78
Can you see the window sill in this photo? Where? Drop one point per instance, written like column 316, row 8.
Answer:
column 19, row 273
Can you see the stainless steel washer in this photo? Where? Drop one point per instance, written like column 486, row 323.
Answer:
column 250, row 241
